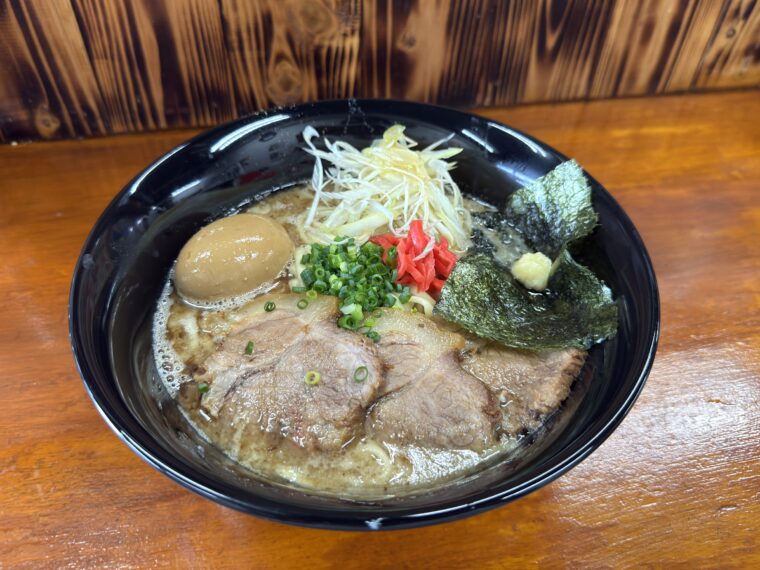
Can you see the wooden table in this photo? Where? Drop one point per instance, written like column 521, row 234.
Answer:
column 678, row 482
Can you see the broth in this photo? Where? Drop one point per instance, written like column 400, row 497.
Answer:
column 365, row 467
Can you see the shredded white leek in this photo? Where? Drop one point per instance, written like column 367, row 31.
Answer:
column 296, row 266
column 419, row 301
column 383, row 188
column 423, row 300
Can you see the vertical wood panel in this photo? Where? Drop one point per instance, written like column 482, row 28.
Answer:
column 247, row 29
column 286, row 51
column 732, row 57
column 568, row 39
column 693, row 34
column 60, row 57
column 336, row 34
column 54, row 54
column 24, row 104
column 195, row 70
column 400, row 58
column 122, row 47
column 88, row 67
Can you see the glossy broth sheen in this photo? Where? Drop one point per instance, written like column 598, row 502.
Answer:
column 185, row 335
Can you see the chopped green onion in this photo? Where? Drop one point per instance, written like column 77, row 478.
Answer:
column 347, row 322
column 249, row 347
column 404, row 298
column 373, row 335
column 337, row 260
column 357, row 276
column 312, row 377
column 269, row 306
column 348, row 309
column 392, row 252
column 308, row 277
column 361, row 374
column 202, row 387
column 378, row 269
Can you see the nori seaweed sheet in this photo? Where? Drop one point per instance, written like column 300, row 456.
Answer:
column 554, row 210
column 577, row 310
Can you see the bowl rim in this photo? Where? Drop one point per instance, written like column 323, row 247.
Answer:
column 308, row 516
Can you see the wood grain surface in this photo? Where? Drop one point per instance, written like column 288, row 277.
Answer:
column 677, row 484
column 72, row 68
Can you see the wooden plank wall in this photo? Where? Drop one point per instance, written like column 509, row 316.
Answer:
column 71, row 68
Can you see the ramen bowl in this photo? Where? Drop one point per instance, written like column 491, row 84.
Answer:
column 126, row 258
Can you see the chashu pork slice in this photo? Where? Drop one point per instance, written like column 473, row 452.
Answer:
column 428, row 399
column 266, row 390
column 529, row 384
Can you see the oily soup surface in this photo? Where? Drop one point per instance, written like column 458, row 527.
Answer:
column 185, row 336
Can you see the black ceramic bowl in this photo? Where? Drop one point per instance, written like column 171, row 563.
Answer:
column 125, row 261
